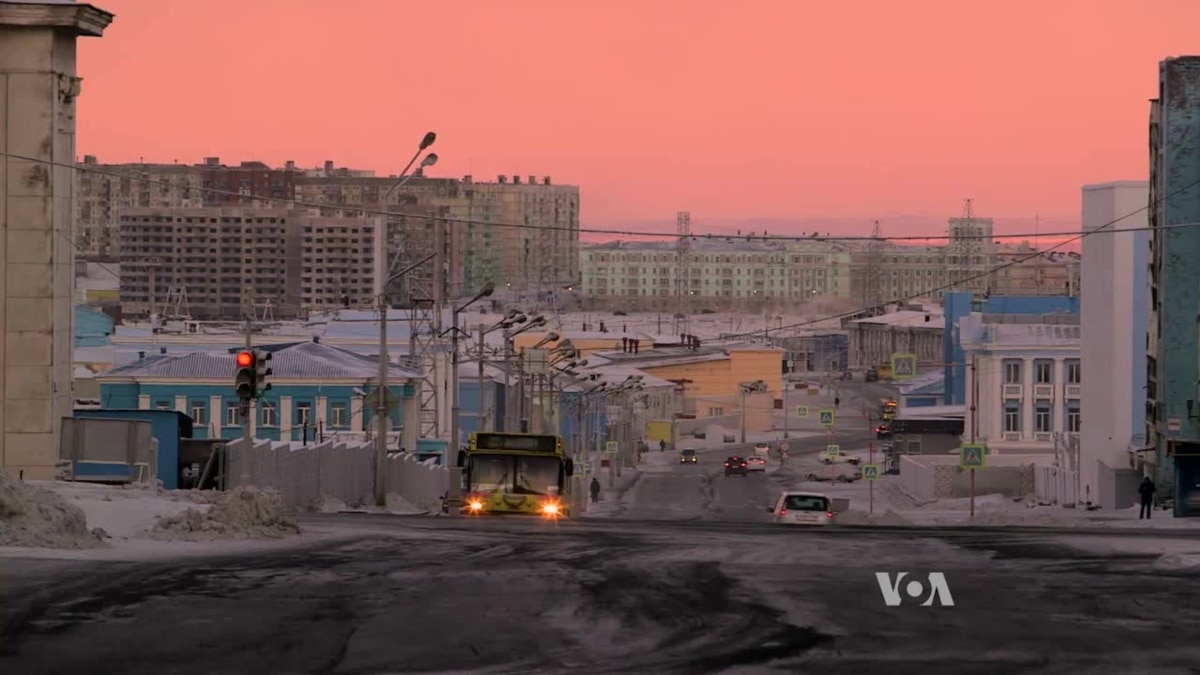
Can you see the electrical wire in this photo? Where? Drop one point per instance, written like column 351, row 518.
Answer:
column 559, row 228
column 983, row 275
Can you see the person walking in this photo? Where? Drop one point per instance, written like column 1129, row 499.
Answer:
column 595, row 488
column 1146, row 490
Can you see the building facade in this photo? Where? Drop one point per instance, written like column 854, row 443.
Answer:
column 212, row 263
column 316, row 389
column 1115, row 299
column 874, row 340
column 1025, row 381
column 1173, row 367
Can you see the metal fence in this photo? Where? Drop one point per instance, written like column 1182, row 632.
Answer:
column 1056, row 485
column 308, row 475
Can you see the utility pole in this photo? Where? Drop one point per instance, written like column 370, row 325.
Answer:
column 487, row 405
column 248, row 410
column 381, row 405
column 974, row 420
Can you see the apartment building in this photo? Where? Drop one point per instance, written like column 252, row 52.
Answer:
column 212, row 263
column 721, row 274
column 1023, row 270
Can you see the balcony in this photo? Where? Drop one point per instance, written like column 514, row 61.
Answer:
column 1043, row 391
column 1043, row 437
column 1012, row 435
column 1011, row 391
column 1072, row 390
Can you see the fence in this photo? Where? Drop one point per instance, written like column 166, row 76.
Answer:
column 1056, row 485
column 929, row 477
column 307, row 475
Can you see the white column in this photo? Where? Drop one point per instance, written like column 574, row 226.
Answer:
column 322, row 420
column 1027, row 406
column 216, row 415
column 181, row 404
column 285, row 418
column 356, row 414
column 144, row 402
column 1058, row 409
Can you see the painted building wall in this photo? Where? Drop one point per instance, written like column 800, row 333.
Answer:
column 1114, row 317
column 959, row 304
column 165, row 427
column 92, row 328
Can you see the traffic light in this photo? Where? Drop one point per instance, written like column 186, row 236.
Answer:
column 261, row 372
column 245, row 380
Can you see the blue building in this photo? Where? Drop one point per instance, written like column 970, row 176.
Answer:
column 316, row 390
column 958, row 304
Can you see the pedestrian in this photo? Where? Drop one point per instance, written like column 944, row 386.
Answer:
column 662, row 445
column 1146, row 490
column 595, row 488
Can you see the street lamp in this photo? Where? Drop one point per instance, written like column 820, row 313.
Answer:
column 535, row 322
column 454, row 494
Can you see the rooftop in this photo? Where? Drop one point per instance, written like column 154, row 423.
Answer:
column 976, row 330
column 905, row 318
column 304, row 361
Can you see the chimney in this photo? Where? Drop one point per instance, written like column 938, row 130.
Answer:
column 328, row 166
column 212, row 161
column 290, row 165
column 89, row 159
column 516, row 179
column 468, row 179
column 545, row 180
column 533, row 180
column 502, row 179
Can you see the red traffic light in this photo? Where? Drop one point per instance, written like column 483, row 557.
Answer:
column 245, row 359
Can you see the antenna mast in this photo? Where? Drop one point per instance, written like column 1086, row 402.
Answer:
column 873, row 299
column 966, row 251
column 683, row 260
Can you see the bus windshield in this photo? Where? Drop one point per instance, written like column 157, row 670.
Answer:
column 515, row 474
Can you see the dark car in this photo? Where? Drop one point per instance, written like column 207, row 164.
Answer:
column 735, row 466
column 687, row 457
column 883, row 431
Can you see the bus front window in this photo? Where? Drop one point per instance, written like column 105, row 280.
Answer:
column 489, row 474
column 537, row 476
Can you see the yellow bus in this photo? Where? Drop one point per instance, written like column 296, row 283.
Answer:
column 516, row 473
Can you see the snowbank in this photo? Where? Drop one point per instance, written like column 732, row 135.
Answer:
column 1177, row 562
column 890, row 518
column 32, row 516
column 244, row 513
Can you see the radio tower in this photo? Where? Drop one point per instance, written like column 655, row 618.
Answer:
column 683, row 260
column 872, row 293
column 427, row 296
column 966, row 251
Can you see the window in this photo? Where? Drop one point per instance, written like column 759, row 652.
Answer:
column 1012, row 372
column 337, row 415
column 1012, row 420
column 268, row 414
column 303, row 414
column 199, row 413
column 1073, row 420
column 162, row 405
column 233, row 415
column 716, row 412
column 1043, row 372
column 1073, row 372
column 1042, row 420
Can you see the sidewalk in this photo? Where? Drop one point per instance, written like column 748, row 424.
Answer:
column 612, row 499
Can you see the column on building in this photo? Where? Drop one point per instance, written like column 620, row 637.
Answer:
column 321, row 422
column 991, row 411
column 216, row 416
column 144, row 402
column 1058, row 411
column 356, row 414
column 285, row 418
column 181, row 404
column 1028, row 404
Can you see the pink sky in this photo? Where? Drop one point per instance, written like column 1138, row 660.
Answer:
column 801, row 110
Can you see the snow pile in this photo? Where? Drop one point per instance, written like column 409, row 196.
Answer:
column 244, row 513
column 1034, row 519
column 32, row 516
column 890, row 518
column 1177, row 562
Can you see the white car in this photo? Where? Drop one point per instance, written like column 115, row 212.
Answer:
column 756, row 464
column 802, row 508
column 762, row 450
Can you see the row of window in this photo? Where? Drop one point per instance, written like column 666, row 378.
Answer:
column 1043, row 419
column 268, row 414
column 1043, row 371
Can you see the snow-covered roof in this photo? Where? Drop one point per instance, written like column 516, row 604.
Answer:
column 926, row 380
column 975, row 332
column 303, row 361
column 906, row 318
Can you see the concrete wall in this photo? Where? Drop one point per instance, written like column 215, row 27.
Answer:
column 928, row 477
column 1113, row 321
column 1118, row 486
column 305, row 476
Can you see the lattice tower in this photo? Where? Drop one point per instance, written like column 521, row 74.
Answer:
column 427, row 297
column 967, row 251
column 683, row 276
column 873, row 273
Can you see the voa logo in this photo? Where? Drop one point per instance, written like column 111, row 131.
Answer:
column 938, row 589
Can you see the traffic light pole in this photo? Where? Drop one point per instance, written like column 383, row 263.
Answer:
column 247, row 418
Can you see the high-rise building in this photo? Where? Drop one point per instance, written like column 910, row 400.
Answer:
column 1115, row 307
column 1173, row 367
column 223, row 263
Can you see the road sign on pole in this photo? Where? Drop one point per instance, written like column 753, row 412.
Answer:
column 827, row 418
column 833, row 450
column 802, row 411
column 904, row 366
column 611, row 447
column 870, row 472
column 973, row 456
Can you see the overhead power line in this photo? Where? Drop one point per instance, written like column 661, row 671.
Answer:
column 582, row 230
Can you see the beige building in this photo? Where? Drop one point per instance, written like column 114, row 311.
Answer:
column 874, row 340
column 214, row 263
column 39, row 89
column 1027, row 272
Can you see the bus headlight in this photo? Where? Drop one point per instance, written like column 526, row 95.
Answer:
column 475, row 505
column 550, row 509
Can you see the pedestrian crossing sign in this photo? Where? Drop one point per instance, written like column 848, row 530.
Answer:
column 611, row 447
column 826, row 417
column 833, row 450
column 870, row 472
column 904, row 366
column 973, row 456
column 802, row 411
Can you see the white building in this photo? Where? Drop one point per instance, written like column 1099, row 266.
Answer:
column 1025, row 382
column 1114, row 314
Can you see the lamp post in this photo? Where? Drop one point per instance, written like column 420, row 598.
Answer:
column 512, row 318
column 509, row 352
column 454, row 494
